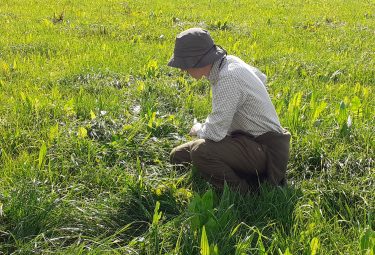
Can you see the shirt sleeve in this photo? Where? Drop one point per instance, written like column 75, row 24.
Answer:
column 226, row 96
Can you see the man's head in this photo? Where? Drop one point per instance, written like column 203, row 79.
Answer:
column 195, row 52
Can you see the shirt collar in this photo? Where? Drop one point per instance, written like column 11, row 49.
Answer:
column 215, row 69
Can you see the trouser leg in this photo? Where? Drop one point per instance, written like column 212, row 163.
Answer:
column 213, row 170
column 181, row 153
column 239, row 160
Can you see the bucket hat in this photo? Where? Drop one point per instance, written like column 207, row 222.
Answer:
column 195, row 48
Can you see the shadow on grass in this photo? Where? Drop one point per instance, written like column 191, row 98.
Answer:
column 269, row 206
column 137, row 206
column 273, row 206
column 232, row 220
column 129, row 221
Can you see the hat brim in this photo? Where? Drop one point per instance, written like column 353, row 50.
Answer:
column 197, row 61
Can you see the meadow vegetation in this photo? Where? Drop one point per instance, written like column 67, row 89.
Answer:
column 89, row 112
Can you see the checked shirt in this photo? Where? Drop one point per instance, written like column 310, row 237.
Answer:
column 240, row 101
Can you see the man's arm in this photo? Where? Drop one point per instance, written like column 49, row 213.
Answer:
column 226, row 96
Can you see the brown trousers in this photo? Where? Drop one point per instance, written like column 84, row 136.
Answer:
column 240, row 160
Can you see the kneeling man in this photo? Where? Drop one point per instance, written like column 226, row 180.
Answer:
column 241, row 142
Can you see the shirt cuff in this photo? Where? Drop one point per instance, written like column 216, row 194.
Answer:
column 200, row 132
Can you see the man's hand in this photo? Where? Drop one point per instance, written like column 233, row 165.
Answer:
column 196, row 127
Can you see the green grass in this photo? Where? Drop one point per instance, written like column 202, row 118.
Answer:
column 89, row 112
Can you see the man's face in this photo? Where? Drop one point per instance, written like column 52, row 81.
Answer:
column 196, row 73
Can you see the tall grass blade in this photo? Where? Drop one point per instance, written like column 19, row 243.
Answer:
column 314, row 245
column 42, row 155
column 205, row 246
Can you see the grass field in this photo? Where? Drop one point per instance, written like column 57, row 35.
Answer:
column 89, row 112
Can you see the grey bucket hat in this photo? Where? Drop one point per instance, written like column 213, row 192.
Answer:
column 195, row 48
